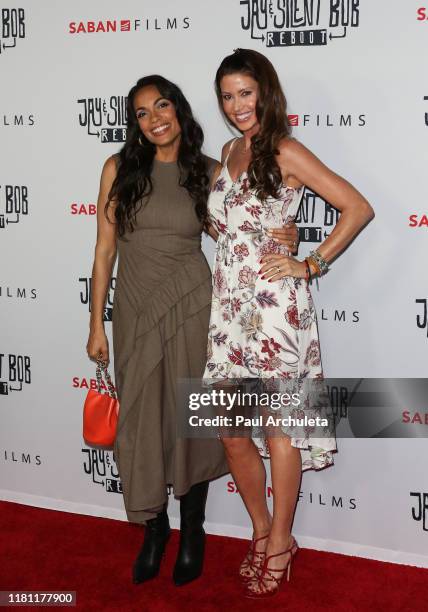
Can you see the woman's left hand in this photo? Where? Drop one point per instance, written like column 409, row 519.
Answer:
column 274, row 267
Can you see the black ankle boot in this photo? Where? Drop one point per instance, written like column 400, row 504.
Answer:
column 190, row 557
column 156, row 535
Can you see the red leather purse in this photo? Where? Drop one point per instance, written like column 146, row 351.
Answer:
column 101, row 411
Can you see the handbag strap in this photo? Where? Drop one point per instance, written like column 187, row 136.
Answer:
column 102, row 369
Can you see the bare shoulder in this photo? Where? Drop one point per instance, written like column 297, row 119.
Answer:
column 225, row 149
column 216, row 174
column 212, row 165
column 110, row 167
column 109, row 173
column 108, row 176
column 214, row 169
column 295, row 160
column 291, row 150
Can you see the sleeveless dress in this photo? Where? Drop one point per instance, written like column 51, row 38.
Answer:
column 160, row 324
column 260, row 329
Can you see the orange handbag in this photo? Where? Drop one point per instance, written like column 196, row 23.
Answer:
column 101, row 411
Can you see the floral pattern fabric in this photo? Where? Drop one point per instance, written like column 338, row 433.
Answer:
column 260, row 329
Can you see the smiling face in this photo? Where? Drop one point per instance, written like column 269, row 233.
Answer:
column 239, row 93
column 156, row 117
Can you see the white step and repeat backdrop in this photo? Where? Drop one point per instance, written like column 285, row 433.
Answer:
column 354, row 74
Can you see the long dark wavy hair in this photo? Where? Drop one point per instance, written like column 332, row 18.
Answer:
column 133, row 183
column 263, row 172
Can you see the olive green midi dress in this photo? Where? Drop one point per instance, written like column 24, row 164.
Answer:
column 161, row 314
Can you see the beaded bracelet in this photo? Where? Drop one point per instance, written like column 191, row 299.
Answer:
column 321, row 262
column 312, row 261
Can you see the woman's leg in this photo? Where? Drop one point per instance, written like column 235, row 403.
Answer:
column 286, row 471
column 190, row 558
column 249, row 474
column 156, row 536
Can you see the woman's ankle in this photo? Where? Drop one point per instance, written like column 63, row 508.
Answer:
column 280, row 541
column 262, row 529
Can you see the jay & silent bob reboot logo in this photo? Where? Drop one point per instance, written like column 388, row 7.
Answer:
column 104, row 118
column 15, row 372
column 13, row 204
column 12, row 28
column 294, row 23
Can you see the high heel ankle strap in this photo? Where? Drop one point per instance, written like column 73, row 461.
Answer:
column 254, row 541
column 290, row 549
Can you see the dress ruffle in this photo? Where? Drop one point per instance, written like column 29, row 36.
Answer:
column 169, row 342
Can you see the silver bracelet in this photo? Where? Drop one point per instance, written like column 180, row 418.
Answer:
column 323, row 265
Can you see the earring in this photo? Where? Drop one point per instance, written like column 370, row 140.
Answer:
column 139, row 141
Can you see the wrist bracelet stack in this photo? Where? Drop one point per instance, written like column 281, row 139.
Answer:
column 318, row 262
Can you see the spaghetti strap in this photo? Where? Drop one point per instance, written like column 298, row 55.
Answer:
column 230, row 149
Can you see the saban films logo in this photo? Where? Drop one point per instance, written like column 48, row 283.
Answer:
column 19, row 293
column 109, row 26
column 104, row 118
column 422, row 13
column 88, row 383
column 318, row 499
column 87, row 209
column 416, row 220
column 13, row 120
column 341, row 120
column 102, row 468
column 292, row 23
column 12, row 27
column 13, row 204
column 14, row 456
column 86, row 296
column 15, row 372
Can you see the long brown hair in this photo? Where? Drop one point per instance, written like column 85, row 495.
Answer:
column 133, row 183
column 263, row 172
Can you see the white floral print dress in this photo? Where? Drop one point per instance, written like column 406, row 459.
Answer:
column 260, row 329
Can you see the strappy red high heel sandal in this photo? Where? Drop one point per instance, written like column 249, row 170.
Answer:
column 253, row 562
column 260, row 587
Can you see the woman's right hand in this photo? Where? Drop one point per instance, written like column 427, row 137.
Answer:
column 97, row 346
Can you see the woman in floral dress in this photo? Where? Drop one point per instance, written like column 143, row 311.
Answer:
column 263, row 321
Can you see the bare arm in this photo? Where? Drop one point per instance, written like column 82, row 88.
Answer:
column 209, row 227
column 299, row 165
column 105, row 255
column 303, row 166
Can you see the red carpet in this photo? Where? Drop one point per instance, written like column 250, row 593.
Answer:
column 49, row 550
